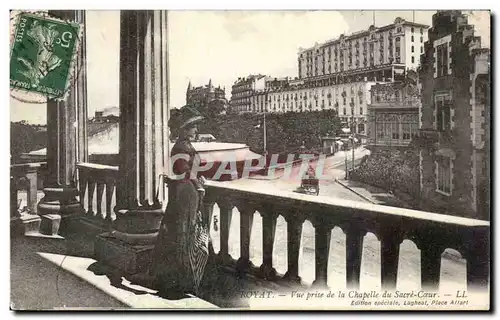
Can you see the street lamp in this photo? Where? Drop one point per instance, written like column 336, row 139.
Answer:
column 265, row 128
column 352, row 133
column 346, row 152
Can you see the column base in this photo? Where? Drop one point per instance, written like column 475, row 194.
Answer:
column 292, row 278
column 61, row 201
column 126, row 257
column 138, row 221
column 268, row 272
column 319, row 284
column 129, row 246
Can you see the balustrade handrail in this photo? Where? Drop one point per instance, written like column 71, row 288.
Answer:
column 20, row 166
column 96, row 166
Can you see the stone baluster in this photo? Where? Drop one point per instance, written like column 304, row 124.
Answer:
column 354, row 251
column 294, row 235
column 478, row 259
column 322, row 236
column 110, row 188
column 389, row 260
column 90, row 194
column 431, row 245
column 268, row 233
column 100, row 193
column 246, row 223
column 226, row 215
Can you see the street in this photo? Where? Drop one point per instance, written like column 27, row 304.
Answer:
column 453, row 270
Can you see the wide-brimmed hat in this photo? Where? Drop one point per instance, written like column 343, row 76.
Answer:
column 185, row 117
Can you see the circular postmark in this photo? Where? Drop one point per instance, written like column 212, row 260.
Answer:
column 44, row 54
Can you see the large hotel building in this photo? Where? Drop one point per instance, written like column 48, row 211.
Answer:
column 339, row 73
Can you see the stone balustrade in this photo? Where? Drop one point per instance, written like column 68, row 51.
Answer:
column 24, row 177
column 432, row 233
column 96, row 183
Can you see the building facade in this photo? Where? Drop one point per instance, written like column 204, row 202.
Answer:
column 242, row 91
column 393, row 114
column 200, row 97
column 377, row 53
column 348, row 99
column 454, row 134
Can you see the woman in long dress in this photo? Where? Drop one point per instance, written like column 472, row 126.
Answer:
column 181, row 251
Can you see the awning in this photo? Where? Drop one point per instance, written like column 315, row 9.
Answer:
column 446, row 152
column 340, row 143
column 346, row 130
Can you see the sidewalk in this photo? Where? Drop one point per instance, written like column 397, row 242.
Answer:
column 373, row 194
column 331, row 161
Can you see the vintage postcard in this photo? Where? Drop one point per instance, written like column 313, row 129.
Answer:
column 250, row 160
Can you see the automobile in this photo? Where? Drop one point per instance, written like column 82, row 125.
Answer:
column 309, row 184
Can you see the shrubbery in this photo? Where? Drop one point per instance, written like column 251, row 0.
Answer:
column 285, row 132
column 391, row 170
column 24, row 138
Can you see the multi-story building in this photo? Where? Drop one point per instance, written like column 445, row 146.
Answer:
column 393, row 113
column 377, row 53
column 454, row 134
column 242, row 91
column 338, row 74
column 200, row 97
column 350, row 100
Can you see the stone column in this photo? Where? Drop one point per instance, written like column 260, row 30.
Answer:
column 81, row 94
column 60, row 185
column 144, row 143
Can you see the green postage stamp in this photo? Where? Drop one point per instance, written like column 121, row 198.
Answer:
column 43, row 52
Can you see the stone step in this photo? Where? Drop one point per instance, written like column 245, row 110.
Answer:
column 25, row 224
column 50, row 224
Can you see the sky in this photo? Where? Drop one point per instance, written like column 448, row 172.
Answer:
column 222, row 46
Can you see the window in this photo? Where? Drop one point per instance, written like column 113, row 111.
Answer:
column 409, row 130
column 345, row 112
column 395, row 131
column 421, row 49
column 412, row 38
column 360, row 110
column 380, row 130
column 421, row 39
column 412, row 49
column 442, row 60
column 443, row 118
column 412, row 59
column 412, row 30
column 443, row 175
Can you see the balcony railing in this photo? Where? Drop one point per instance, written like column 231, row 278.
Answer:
column 24, row 177
column 96, row 182
column 432, row 233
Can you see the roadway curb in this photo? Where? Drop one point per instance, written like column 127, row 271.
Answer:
column 357, row 193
